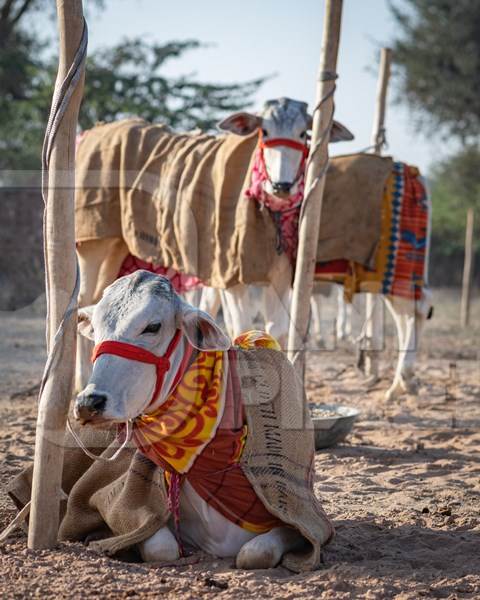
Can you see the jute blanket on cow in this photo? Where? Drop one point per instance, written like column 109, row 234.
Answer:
column 180, row 201
column 399, row 266
column 124, row 502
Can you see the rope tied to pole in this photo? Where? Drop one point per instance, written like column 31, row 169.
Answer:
column 62, row 96
column 323, row 76
column 61, row 99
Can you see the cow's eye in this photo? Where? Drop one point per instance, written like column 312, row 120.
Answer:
column 303, row 135
column 264, row 133
column 152, row 328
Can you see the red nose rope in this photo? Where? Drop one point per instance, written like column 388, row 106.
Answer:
column 162, row 365
column 284, row 211
column 132, row 352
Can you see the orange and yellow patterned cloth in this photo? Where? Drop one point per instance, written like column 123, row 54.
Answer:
column 200, row 431
column 401, row 254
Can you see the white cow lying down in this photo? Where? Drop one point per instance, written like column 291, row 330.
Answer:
column 139, row 321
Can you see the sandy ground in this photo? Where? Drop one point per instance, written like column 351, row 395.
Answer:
column 403, row 489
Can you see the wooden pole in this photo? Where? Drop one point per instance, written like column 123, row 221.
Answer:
column 309, row 225
column 373, row 328
column 378, row 133
column 467, row 270
column 61, row 269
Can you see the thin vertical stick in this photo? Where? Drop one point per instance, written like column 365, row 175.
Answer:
column 309, row 225
column 372, row 308
column 378, row 132
column 61, row 282
column 467, row 270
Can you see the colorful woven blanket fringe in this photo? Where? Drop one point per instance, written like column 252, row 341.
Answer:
column 400, row 259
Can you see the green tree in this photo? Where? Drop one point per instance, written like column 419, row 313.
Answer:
column 438, row 58
column 124, row 80
column 437, row 53
column 455, row 186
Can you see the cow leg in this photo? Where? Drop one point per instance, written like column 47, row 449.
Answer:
column 193, row 297
column 344, row 316
column 276, row 312
column 210, row 301
column 266, row 550
column 408, row 331
column 159, row 547
column 374, row 337
column 316, row 319
column 237, row 309
column 99, row 262
column 276, row 299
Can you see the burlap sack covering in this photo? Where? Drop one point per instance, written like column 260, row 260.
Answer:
column 125, row 502
column 175, row 200
column 178, row 200
column 352, row 208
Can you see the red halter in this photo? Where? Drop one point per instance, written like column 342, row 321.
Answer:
column 132, row 352
column 271, row 143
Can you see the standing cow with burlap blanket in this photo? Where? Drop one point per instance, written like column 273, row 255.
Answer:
column 193, row 204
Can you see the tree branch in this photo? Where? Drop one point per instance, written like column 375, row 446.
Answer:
column 6, row 9
column 26, row 5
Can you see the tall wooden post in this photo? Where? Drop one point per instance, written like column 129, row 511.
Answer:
column 378, row 133
column 61, row 275
column 467, row 270
column 373, row 309
column 309, row 225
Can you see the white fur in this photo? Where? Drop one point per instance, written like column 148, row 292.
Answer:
column 126, row 308
column 203, row 528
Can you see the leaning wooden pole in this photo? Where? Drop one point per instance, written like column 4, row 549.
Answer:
column 372, row 307
column 309, row 224
column 61, row 278
column 467, row 270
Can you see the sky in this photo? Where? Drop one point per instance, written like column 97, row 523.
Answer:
column 252, row 38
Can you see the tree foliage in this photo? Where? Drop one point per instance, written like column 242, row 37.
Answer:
column 124, row 80
column 438, row 55
column 455, row 186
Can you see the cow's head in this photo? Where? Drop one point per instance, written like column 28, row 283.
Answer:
column 140, row 310
column 282, row 119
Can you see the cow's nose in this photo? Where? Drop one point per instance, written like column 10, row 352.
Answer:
column 89, row 405
column 281, row 187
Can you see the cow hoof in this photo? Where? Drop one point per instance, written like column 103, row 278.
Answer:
column 371, row 380
column 409, row 383
column 394, row 392
column 161, row 546
column 259, row 554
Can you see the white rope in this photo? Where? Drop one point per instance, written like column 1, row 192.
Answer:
column 17, row 522
column 61, row 99
column 105, row 459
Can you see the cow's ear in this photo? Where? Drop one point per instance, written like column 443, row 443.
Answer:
column 85, row 326
column 240, row 123
column 200, row 329
column 339, row 133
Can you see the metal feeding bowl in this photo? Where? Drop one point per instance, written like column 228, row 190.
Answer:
column 332, row 423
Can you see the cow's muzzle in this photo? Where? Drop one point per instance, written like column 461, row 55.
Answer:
column 89, row 405
column 282, row 187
